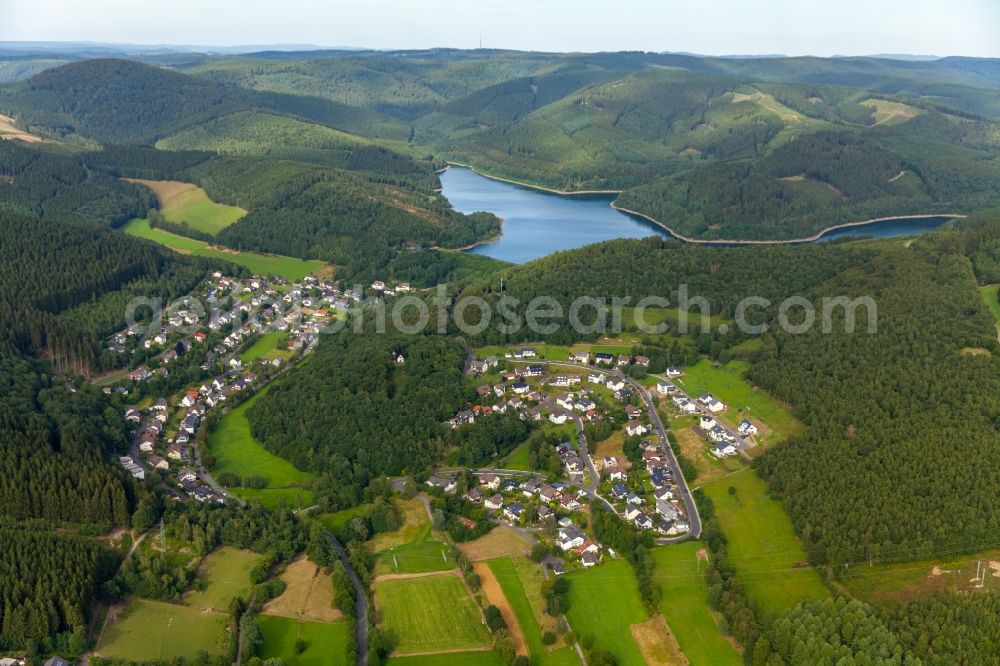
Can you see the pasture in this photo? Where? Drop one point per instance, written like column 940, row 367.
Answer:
column 680, row 573
column 430, row 614
column 742, row 399
column 506, row 573
column 146, row 630
column 188, row 204
column 268, row 346
column 763, row 548
column 236, row 451
column 225, row 574
column 325, row 643
column 259, row 264
column 604, row 602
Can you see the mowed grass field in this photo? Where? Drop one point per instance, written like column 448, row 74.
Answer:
column 416, row 557
column 152, row 630
column 188, row 204
column 681, row 577
column 325, row 643
column 226, row 574
column 604, row 602
column 763, row 548
column 430, row 614
column 506, row 572
column 259, row 264
column 742, row 399
column 237, row 452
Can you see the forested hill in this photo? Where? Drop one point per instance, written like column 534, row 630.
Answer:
column 125, row 102
column 714, row 148
column 893, row 417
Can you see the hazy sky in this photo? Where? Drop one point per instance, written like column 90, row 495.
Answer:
column 819, row 27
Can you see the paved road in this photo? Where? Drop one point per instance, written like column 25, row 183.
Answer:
column 694, row 519
column 361, row 599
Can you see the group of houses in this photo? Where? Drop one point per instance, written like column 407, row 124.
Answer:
column 660, row 509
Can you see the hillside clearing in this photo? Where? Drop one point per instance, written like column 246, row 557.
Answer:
column 189, row 204
column 260, row 264
column 308, row 594
column 763, row 548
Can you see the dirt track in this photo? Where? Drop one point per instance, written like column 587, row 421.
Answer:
column 494, row 594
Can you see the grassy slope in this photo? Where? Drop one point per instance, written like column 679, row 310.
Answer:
column 762, row 545
column 187, row 203
column 237, row 451
column 604, row 603
column 431, row 613
column 685, row 606
column 513, row 589
column 260, row 264
column 325, row 643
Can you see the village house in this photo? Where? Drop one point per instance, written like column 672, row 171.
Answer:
column 723, row 450
column 601, row 357
column 596, row 378
column 634, row 428
column 558, row 418
column 445, row 483
column 495, row 502
column 746, row 428
column 615, row 384
column 475, row 495
column 665, row 388
column 491, row 481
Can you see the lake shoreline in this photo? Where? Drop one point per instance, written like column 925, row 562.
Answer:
column 703, row 241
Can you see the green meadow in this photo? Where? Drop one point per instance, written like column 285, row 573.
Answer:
column 236, row 451
column 325, row 643
column 225, row 574
column 267, row 347
column 147, row 630
column 430, row 614
column 989, row 294
column 742, row 399
column 186, row 203
column 260, row 264
column 681, row 577
column 762, row 546
column 513, row 589
column 604, row 602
